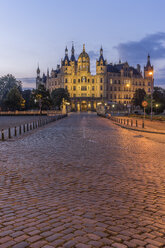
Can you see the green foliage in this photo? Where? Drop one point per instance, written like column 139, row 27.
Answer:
column 57, row 95
column 7, row 83
column 138, row 97
column 26, row 94
column 14, row 99
column 159, row 98
column 40, row 98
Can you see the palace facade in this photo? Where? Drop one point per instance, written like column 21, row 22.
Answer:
column 115, row 83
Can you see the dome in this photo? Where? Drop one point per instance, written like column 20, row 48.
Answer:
column 83, row 54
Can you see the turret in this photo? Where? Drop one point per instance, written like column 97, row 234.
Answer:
column 101, row 63
column 72, row 53
column 38, row 71
column 148, row 69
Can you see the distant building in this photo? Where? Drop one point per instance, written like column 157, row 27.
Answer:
column 112, row 83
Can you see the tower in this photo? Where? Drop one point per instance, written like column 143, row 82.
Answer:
column 101, row 63
column 148, row 69
column 38, row 79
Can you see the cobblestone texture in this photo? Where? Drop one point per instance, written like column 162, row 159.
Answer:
column 82, row 182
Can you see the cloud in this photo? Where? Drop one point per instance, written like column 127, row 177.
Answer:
column 28, row 83
column 136, row 51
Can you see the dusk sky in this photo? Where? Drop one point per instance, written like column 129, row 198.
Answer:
column 37, row 31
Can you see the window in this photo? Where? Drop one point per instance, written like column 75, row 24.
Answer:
column 66, row 87
column 93, row 81
column 149, row 84
column 101, row 80
column 93, row 95
column 74, row 81
column 149, row 90
column 79, row 80
column 101, row 87
column 83, row 88
column 114, row 96
column 83, row 79
column 88, row 80
column 119, row 82
column 115, row 89
column 101, row 68
column 119, row 88
column 93, row 87
column 74, row 87
column 66, row 80
column 101, row 95
column 74, row 95
column 111, row 89
column 110, row 96
column 115, row 82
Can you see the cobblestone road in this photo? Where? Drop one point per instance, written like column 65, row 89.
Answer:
column 82, row 182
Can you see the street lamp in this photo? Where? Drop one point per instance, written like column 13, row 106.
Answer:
column 156, row 105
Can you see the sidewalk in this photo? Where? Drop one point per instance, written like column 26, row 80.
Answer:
column 137, row 124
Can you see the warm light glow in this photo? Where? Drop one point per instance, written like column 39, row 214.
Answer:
column 113, row 106
column 150, row 73
column 128, row 85
column 157, row 105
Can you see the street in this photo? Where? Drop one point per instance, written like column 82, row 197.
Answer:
column 82, row 182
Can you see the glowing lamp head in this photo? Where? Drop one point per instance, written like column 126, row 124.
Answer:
column 150, row 73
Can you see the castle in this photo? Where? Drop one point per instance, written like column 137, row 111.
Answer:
column 114, row 83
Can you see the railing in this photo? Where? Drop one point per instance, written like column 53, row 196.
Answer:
column 30, row 112
column 128, row 122
column 24, row 128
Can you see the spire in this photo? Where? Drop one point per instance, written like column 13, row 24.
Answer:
column 148, row 61
column 47, row 72
column 66, row 51
column 38, row 70
column 101, row 51
column 72, row 53
column 83, row 47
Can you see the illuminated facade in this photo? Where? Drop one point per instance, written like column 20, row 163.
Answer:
column 112, row 83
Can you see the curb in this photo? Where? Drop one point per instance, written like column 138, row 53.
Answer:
column 138, row 130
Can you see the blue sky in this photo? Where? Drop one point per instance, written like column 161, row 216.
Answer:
column 33, row 31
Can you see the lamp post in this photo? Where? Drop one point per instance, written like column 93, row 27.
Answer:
column 157, row 105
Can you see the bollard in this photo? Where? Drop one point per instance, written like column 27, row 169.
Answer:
column 2, row 135
column 30, row 126
column 136, row 123
column 131, row 123
column 24, row 128
column 20, row 130
column 121, row 121
column 33, row 125
column 27, row 125
column 9, row 133
column 127, row 122
column 124, row 121
column 143, row 124
column 15, row 131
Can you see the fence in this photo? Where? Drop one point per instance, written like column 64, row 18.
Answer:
column 23, row 128
column 128, row 122
column 30, row 112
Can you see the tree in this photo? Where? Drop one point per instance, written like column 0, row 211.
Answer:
column 26, row 94
column 14, row 99
column 57, row 95
column 6, row 84
column 138, row 97
column 40, row 98
column 159, row 98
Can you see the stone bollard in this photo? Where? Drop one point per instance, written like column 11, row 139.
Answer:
column 136, row 123
column 143, row 124
column 131, row 123
column 33, row 125
column 127, row 122
column 20, row 130
column 30, row 126
column 2, row 135
column 121, row 121
column 124, row 121
column 9, row 133
column 24, row 128
column 27, row 125
column 15, row 131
